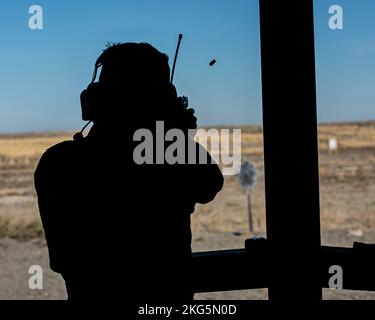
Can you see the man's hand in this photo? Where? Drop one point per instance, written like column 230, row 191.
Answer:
column 188, row 120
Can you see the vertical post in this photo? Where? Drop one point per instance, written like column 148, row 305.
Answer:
column 249, row 209
column 290, row 148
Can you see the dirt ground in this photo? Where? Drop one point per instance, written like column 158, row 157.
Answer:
column 347, row 189
column 17, row 256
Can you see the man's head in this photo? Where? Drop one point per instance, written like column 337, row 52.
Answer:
column 133, row 64
column 133, row 76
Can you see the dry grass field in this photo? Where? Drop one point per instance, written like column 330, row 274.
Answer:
column 347, row 187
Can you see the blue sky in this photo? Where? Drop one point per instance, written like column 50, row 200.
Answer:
column 43, row 72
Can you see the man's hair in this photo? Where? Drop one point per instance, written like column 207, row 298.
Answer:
column 133, row 64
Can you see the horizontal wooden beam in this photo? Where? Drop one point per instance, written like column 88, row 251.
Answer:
column 249, row 268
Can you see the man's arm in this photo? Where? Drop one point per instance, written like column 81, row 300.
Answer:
column 206, row 179
column 48, row 179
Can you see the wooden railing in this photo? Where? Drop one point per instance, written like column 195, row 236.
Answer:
column 251, row 267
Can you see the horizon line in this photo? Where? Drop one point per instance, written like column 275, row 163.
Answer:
column 72, row 131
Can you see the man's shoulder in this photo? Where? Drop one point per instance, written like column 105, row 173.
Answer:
column 62, row 149
column 59, row 155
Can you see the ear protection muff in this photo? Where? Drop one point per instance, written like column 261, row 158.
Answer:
column 92, row 97
column 91, row 100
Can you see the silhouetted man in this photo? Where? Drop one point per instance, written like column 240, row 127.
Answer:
column 115, row 228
